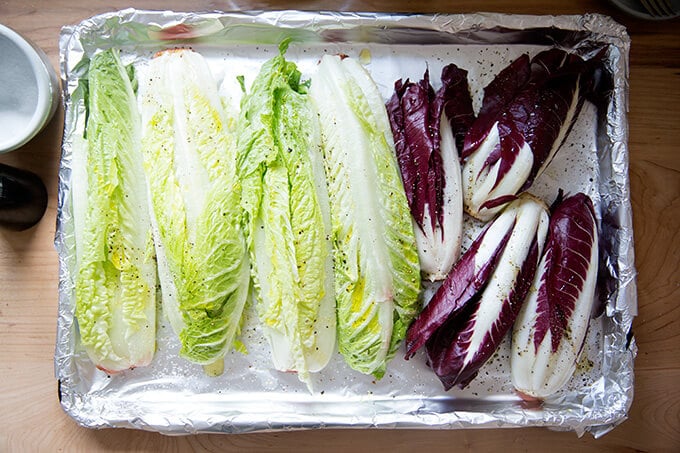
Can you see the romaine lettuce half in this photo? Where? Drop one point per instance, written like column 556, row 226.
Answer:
column 115, row 279
column 285, row 201
column 377, row 273
column 190, row 163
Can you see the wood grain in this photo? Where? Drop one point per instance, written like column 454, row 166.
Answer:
column 32, row 420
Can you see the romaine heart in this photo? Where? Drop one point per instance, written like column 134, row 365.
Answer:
column 287, row 212
column 550, row 330
column 189, row 161
column 377, row 278
column 115, row 278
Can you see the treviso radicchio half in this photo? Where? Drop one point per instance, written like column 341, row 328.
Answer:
column 550, row 330
column 476, row 305
column 429, row 128
column 526, row 114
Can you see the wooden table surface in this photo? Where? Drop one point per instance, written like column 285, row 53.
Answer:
column 32, row 420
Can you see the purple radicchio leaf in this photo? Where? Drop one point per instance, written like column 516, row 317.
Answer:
column 572, row 236
column 415, row 111
column 550, row 330
column 527, row 113
column 455, row 95
column 465, row 280
column 497, row 96
column 425, row 125
column 409, row 113
column 467, row 340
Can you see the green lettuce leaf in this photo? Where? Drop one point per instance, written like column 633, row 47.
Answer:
column 286, row 207
column 115, row 283
column 189, row 160
column 377, row 273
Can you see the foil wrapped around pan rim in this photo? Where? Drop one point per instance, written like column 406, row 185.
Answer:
column 164, row 401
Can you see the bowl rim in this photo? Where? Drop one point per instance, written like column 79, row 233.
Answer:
column 47, row 85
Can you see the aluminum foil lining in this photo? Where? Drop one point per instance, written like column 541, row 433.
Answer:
column 174, row 396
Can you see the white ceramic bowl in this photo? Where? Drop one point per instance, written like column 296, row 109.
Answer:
column 29, row 90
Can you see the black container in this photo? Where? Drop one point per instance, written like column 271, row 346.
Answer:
column 23, row 198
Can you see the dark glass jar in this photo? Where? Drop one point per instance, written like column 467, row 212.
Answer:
column 23, row 198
